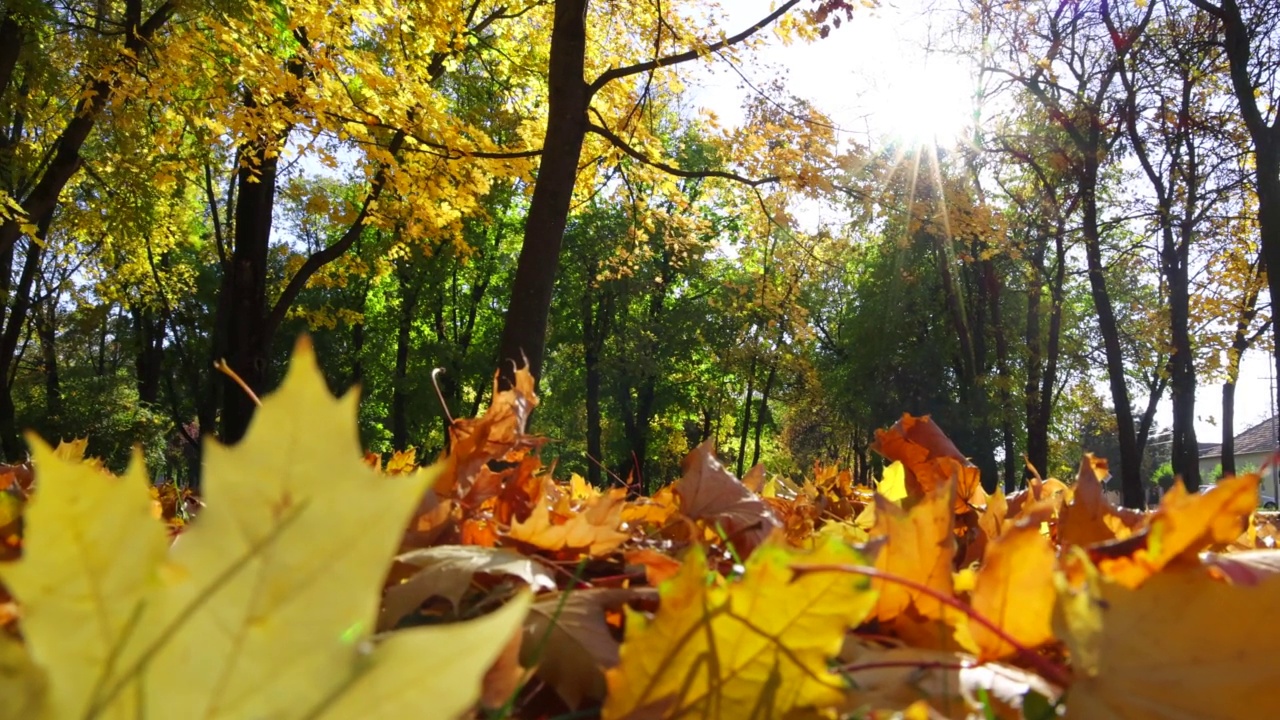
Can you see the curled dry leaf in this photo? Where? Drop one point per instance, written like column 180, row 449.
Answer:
column 448, row 571
column 930, row 460
column 709, row 492
column 949, row 683
column 1185, row 525
column 593, row 531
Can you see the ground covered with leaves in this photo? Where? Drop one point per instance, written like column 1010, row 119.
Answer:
column 317, row 583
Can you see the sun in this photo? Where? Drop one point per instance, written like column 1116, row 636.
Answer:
column 926, row 101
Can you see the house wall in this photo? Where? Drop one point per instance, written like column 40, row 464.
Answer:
column 1243, row 460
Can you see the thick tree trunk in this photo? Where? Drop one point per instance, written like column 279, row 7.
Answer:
column 19, row 304
column 524, row 330
column 243, row 300
column 149, row 328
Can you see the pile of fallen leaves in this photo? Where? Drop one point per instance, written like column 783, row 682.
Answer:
column 314, row 584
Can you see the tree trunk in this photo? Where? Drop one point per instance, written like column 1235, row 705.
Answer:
column 746, row 415
column 524, row 330
column 244, row 291
column 592, row 345
column 1132, row 492
column 1266, row 141
column 1240, row 342
column 764, row 405
column 19, row 303
column 149, row 327
column 404, row 337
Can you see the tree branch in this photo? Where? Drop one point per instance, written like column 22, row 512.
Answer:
column 327, row 255
column 615, row 73
column 622, row 145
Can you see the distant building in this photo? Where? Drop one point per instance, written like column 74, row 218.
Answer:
column 1255, row 448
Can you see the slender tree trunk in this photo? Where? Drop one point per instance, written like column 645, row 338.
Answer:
column 592, row 345
column 746, row 415
column 1132, row 491
column 46, row 328
column 404, row 338
column 1240, row 342
column 524, row 330
column 764, row 405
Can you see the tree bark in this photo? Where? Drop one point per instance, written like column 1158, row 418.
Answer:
column 524, row 330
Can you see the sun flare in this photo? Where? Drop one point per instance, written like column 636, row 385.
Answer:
column 927, row 102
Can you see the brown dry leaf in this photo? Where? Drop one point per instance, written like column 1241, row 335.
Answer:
column 1014, row 590
column 1182, row 645
column 930, row 460
column 499, row 434
column 895, row 679
column 448, row 571
column 919, row 546
column 709, row 492
column 1083, row 520
column 1184, row 525
column 568, row 639
column 593, row 531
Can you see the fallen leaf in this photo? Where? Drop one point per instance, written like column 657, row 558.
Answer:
column 1014, row 590
column 930, row 460
column 262, row 608
column 1083, row 520
column 754, row 647
column 567, row 639
column 918, row 546
column 949, row 684
column 1182, row 645
column 593, row 531
column 709, row 492
column 1184, row 525
column 448, row 571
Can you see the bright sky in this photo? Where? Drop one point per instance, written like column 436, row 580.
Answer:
column 874, row 77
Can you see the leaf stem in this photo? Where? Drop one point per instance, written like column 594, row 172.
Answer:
column 1049, row 670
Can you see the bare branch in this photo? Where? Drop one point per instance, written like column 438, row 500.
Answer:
column 613, row 74
column 622, row 145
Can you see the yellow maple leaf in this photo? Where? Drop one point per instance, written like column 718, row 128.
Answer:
column 263, row 607
column 1014, row 589
column 1182, row 645
column 754, row 647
